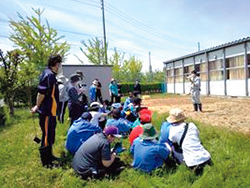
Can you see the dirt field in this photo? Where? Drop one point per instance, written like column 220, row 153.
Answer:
column 233, row 113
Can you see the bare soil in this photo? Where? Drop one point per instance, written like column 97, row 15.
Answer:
column 231, row 113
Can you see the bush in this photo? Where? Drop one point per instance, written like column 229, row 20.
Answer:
column 4, row 115
column 146, row 88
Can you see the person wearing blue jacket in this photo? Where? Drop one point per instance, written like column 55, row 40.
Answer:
column 80, row 131
column 92, row 91
column 123, row 126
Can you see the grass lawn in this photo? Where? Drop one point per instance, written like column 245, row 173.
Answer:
column 20, row 164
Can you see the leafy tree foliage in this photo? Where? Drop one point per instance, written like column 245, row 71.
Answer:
column 117, row 61
column 95, row 51
column 36, row 43
column 123, row 70
column 8, row 76
column 36, row 40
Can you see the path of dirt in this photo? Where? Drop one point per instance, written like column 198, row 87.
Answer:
column 233, row 113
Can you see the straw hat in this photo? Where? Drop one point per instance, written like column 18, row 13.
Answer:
column 176, row 115
column 149, row 132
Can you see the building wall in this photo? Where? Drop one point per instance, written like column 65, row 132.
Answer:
column 211, row 66
column 236, row 87
column 179, row 88
column 101, row 72
column 217, row 87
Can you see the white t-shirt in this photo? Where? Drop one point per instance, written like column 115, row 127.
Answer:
column 193, row 152
column 95, row 117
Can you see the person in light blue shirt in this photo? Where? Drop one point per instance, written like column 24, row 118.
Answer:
column 147, row 153
column 113, row 91
column 80, row 131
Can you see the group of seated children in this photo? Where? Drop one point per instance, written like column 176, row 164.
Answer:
column 90, row 137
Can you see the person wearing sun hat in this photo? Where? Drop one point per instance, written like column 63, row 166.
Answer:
column 94, row 157
column 147, row 153
column 191, row 150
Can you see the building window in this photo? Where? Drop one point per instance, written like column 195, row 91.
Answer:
column 216, row 69
column 203, row 71
column 170, row 76
column 178, row 75
column 235, row 68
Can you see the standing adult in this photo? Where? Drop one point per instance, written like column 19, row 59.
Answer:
column 113, row 91
column 81, row 85
column 94, row 157
column 63, row 97
column 137, row 88
column 46, row 105
column 119, row 86
column 98, row 91
column 195, row 90
column 74, row 105
column 92, row 91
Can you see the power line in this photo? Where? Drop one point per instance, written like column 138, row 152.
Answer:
column 135, row 22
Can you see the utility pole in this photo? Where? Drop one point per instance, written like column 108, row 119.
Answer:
column 150, row 67
column 198, row 46
column 104, row 33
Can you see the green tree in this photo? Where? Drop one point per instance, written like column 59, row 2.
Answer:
column 132, row 69
column 8, row 76
column 116, row 60
column 95, row 52
column 36, row 40
column 155, row 76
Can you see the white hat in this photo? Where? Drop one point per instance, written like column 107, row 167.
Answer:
column 95, row 82
column 62, row 79
column 95, row 104
column 176, row 115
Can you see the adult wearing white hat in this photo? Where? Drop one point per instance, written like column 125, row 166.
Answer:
column 92, row 91
column 195, row 90
column 186, row 141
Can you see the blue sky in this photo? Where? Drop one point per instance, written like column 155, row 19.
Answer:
column 166, row 28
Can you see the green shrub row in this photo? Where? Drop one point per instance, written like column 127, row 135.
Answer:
column 146, row 88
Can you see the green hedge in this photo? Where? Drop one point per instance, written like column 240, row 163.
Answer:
column 146, row 88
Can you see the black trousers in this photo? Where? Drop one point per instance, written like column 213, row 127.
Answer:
column 114, row 97
column 75, row 111
column 61, row 108
column 48, row 127
column 99, row 96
